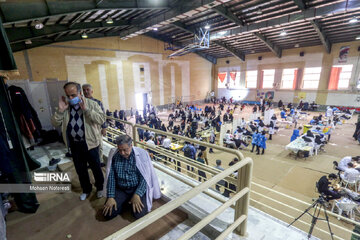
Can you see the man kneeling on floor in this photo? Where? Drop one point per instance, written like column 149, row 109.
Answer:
column 131, row 180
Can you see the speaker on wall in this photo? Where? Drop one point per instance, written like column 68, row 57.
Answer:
column 227, row 61
column 259, row 58
column 302, row 54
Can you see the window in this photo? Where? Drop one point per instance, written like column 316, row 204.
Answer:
column 251, row 79
column 311, row 77
column 268, row 78
column 288, row 77
column 222, row 79
column 345, row 75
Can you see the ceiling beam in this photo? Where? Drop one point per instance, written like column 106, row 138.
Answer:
column 19, row 46
column 324, row 40
column 183, row 27
column 301, row 4
column 18, row 11
column 177, row 44
column 238, row 54
column 274, row 48
column 226, row 13
column 308, row 14
column 182, row 9
column 24, row 33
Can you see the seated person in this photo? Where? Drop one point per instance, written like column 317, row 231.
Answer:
column 229, row 140
column 350, row 174
column 296, row 134
column 252, row 127
column 343, row 164
column 283, row 114
column 324, row 188
column 131, row 178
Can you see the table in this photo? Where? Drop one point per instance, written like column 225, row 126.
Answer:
column 175, row 147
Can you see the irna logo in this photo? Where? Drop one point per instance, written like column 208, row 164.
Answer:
column 51, row 177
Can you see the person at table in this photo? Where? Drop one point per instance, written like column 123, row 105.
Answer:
column 296, row 134
column 313, row 106
column 343, row 164
column 280, row 104
column 350, row 174
column 324, row 187
column 283, row 114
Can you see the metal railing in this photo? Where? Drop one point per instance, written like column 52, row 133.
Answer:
column 279, row 207
column 241, row 198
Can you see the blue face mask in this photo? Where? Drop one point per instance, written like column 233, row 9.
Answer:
column 74, row 101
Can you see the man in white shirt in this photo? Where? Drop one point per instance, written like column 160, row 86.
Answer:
column 350, row 174
column 167, row 143
column 343, row 164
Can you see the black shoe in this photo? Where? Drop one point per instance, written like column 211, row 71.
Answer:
column 68, row 154
column 251, row 151
column 54, row 161
column 257, row 153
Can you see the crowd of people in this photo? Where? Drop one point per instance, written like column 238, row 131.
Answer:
column 84, row 122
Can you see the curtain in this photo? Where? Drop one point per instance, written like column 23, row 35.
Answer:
column 334, row 78
column 233, row 75
column 222, row 76
column 295, row 78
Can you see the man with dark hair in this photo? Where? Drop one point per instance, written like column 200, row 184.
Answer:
column 131, row 180
column 324, row 188
column 80, row 120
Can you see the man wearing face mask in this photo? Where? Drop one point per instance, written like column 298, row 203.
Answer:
column 80, row 120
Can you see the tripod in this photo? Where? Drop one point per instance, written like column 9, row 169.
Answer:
column 317, row 205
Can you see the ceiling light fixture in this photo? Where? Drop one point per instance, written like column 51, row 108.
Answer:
column 155, row 28
column 207, row 26
column 259, row 11
column 27, row 42
column 38, row 25
column 252, row 51
column 109, row 20
column 353, row 20
column 297, row 45
column 283, row 33
column 358, row 37
column 84, row 35
column 222, row 32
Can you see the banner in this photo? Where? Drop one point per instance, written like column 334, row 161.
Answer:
column 344, row 51
column 222, row 76
column 233, row 75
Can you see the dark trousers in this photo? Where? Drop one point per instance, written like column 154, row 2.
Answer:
column 122, row 198
column 202, row 175
column 82, row 157
column 330, row 194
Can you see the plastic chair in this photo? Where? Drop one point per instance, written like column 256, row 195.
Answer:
column 347, row 207
column 350, row 182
